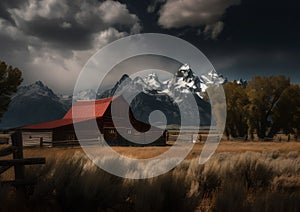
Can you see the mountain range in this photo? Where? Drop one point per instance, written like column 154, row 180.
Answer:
column 38, row 103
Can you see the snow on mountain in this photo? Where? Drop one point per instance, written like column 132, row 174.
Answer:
column 33, row 104
column 35, row 90
column 140, row 84
column 241, row 82
column 183, row 82
column 123, row 82
column 165, row 96
column 212, row 78
column 152, row 81
column 88, row 94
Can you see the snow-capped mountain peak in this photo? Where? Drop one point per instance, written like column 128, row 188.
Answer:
column 35, row 90
column 212, row 78
column 185, row 67
column 185, row 71
column 213, row 74
column 183, row 82
column 241, row 82
column 152, row 81
column 88, row 94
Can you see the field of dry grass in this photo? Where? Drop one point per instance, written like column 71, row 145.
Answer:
column 250, row 181
column 148, row 152
column 241, row 176
column 62, row 153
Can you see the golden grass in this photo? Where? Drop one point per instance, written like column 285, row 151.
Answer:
column 63, row 153
column 151, row 151
column 229, row 181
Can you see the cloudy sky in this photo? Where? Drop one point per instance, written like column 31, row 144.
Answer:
column 50, row 40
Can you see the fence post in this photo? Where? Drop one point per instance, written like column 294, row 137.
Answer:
column 17, row 142
column 167, row 136
column 41, row 141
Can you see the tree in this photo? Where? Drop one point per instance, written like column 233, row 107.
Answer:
column 237, row 103
column 287, row 112
column 10, row 79
column 264, row 93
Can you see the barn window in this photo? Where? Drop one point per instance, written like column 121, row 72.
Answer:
column 71, row 137
column 112, row 131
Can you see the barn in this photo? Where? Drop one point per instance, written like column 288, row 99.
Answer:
column 61, row 131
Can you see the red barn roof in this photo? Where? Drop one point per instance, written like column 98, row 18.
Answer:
column 88, row 109
column 83, row 111
column 49, row 125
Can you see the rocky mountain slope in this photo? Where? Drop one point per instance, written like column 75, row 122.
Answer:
column 33, row 104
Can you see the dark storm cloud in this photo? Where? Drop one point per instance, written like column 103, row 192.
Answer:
column 51, row 38
column 247, row 64
column 5, row 14
column 5, row 5
column 258, row 38
column 155, row 5
column 140, row 63
column 72, row 24
column 264, row 24
column 262, row 36
column 55, row 32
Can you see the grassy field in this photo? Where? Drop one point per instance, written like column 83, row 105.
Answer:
column 148, row 152
column 241, row 176
column 62, row 153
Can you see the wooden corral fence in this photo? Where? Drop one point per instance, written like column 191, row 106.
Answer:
column 66, row 143
column 4, row 138
column 58, row 143
column 18, row 161
column 187, row 135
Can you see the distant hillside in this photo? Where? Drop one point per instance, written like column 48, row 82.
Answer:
column 33, row 104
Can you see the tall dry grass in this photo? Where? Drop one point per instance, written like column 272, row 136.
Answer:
column 227, row 182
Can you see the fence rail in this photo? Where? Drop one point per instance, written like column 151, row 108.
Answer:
column 18, row 161
column 7, row 151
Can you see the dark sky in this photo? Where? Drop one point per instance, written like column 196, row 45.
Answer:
column 50, row 40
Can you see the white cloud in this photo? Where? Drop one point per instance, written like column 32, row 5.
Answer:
column 120, row 14
column 107, row 36
column 155, row 4
column 66, row 25
column 107, row 14
column 194, row 13
column 8, row 29
column 213, row 30
column 44, row 8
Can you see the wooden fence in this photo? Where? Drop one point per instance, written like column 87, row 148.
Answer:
column 18, row 161
column 65, row 143
column 187, row 135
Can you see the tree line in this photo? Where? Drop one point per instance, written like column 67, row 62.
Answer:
column 10, row 79
column 265, row 106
